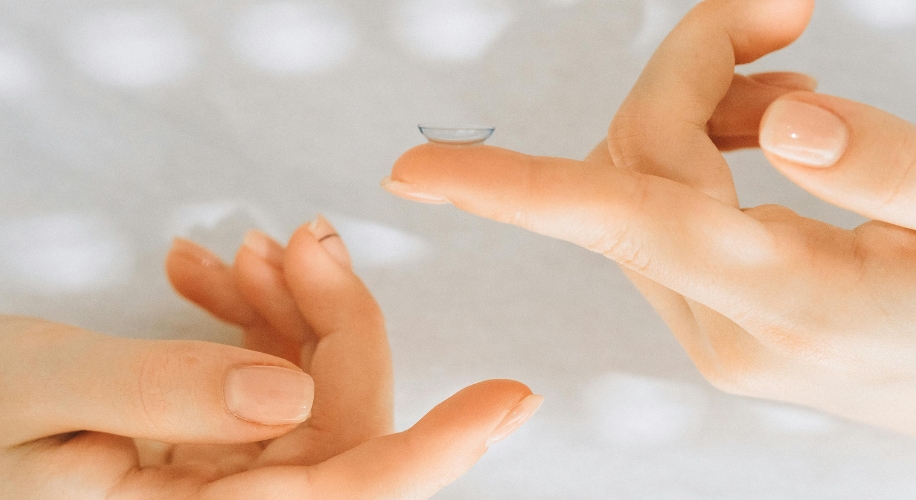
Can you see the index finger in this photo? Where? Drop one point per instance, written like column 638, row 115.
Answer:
column 661, row 127
column 666, row 231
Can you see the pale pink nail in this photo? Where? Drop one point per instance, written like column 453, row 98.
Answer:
column 412, row 192
column 269, row 395
column 264, row 247
column 803, row 133
column 330, row 240
column 516, row 417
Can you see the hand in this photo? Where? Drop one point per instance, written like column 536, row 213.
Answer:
column 766, row 302
column 88, row 416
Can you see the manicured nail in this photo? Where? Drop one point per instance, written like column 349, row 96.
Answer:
column 330, row 240
column 194, row 252
column 516, row 417
column 264, row 247
column 412, row 192
column 269, row 395
column 803, row 133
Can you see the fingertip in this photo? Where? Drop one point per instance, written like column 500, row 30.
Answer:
column 766, row 25
column 517, row 416
column 201, row 277
column 305, row 256
column 331, row 240
column 484, row 403
column 429, row 165
column 795, row 131
column 830, row 146
column 459, row 430
column 405, row 162
column 265, row 247
column 193, row 253
column 328, row 294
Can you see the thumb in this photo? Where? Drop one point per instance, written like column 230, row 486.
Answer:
column 56, row 379
column 411, row 465
column 849, row 154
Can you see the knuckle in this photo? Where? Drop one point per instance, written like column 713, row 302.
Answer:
column 620, row 243
column 160, row 367
column 626, row 134
column 799, row 343
column 902, row 192
column 622, row 249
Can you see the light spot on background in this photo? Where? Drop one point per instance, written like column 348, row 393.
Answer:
column 293, row 37
column 205, row 215
column 451, row 29
column 792, row 419
column 376, row 245
column 883, row 13
column 562, row 3
column 658, row 19
column 633, row 410
column 63, row 253
column 221, row 225
column 19, row 75
column 132, row 47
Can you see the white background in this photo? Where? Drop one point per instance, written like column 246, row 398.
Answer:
column 126, row 122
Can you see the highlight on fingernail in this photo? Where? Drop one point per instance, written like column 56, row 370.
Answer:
column 803, row 133
column 456, row 135
column 516, row 417
column 412, row 192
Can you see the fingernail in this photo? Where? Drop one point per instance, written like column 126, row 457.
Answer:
column 192, row 251
column 518, row 416
column 269, row 395
column 330, row 240
column 803, row 133
column 412, row 192
column 264, row 247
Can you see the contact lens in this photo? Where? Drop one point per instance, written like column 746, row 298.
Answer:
column 456, row 135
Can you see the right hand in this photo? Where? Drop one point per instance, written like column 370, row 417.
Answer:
column 86, row 416
column 766, row 302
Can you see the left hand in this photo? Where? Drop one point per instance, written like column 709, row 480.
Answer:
column 302, row 303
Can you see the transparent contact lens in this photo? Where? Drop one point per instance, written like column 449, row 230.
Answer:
column 456, row 135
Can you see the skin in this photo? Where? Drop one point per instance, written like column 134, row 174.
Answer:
column 88, row 416
column 766, row 303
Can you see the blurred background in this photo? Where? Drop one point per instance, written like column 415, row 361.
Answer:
column 124, row 123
